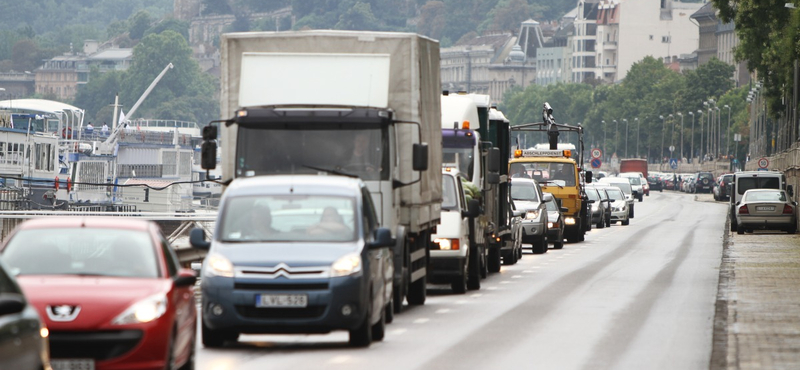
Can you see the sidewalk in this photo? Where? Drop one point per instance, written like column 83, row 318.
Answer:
column 757, row 321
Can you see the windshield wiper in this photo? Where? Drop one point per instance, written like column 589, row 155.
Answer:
column 331, row 171
column 554, row 183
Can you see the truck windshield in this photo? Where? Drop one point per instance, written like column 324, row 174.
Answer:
column 289, row 218
column 461, row 157
column 547, row 173
column 362, row 152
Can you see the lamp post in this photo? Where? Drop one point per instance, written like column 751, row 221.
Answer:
column 718, row 133
column 616, row 135
column 605, row 151
column 700, row 147
column 661, row 159
column 671, row 133
column 638, row 138
column 728, row 131
column 691, row 146
column 626, row 137
column 681, row 115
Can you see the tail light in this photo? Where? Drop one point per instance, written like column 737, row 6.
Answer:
column 787, row 209
column 743, row 210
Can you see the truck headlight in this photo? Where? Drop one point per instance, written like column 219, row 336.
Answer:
column 532, row 214
column 143, row 311
column 217, row 265
column 569, row 221
column 346, row 265
column 447, row 244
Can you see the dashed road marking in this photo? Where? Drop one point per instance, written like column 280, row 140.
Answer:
column 398, row 331
column 421, row 320
column 443, row 310
column 339, row 359
column 476, row 295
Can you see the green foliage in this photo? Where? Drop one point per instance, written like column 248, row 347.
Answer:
column 181, row 27
column 140, row 22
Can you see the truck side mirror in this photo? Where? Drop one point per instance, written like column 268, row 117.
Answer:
column 493, row 178
column 208, row 155
column 197, row 238
column 588, row 175
column 473, row 209
column 420, row 157
column 494, row 160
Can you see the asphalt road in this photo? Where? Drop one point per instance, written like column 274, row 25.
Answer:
column 629, row 297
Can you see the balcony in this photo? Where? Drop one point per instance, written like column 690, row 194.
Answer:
column 610, row 45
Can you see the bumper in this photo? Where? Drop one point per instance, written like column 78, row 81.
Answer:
column 445, row 269
column 619, row 215
column 326, row 298
column 766, row 223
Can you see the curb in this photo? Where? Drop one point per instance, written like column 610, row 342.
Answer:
column 719, row 341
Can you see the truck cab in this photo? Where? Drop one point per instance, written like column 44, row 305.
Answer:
column 559, row 175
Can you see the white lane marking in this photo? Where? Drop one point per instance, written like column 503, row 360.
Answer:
column 528, row 271
column 461, row 302
column 443, row 310
column 398, row 331
column 339, row 359
column 421, row 320
column 491, row 288
column 516, row 276
column 476, row 295
column 505, row 282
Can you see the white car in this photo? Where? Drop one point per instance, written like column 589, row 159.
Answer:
column 767, row 209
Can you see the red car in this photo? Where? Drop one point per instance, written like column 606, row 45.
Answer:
column 110, row 290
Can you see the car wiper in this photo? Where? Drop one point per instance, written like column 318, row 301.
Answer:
column 331, row 171
column 554, row 183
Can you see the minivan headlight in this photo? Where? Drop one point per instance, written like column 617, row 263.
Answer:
column 217, row 265
column 532, row 214
column 346, row 265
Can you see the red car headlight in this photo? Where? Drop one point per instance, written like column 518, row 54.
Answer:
column 143, row 311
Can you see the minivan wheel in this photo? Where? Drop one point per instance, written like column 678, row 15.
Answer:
column 216, row 338
column 362, row 335
column 379, row 329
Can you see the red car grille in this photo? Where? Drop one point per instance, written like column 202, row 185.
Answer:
column 309, row 312
column 99, row 345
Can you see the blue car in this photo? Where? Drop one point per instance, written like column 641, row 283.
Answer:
column 296, row 254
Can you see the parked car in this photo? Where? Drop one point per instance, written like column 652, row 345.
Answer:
column 110, row 290
column 619, row 205
column 703, row 182
column 296, row 254
column 23, row 335
column 528, row 198
column 722, row 187
column 766, row 209
column 687, row 185
column 601, row 212
column 655, row 183
column 555, row 224
column 746, row 180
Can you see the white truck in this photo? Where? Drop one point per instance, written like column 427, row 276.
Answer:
column 350, row 103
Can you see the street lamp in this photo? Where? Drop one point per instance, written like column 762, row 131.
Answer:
column 661, row 159
column 616, row 135
column 681, row 114
column 626, row 137
column 638, row 138
column 605, row 151
column 691, row 146
column 671, row 134
column 718, row 132
column 700, row 147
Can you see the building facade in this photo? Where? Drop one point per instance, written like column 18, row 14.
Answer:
column 62, row 76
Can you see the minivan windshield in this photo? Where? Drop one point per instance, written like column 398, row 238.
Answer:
column 524, row 190
column 288, row 218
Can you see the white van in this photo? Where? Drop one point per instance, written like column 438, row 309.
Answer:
column 744, row 181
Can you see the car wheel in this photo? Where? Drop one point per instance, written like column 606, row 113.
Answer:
column 608, row 220
column 390, row 311
column 362, row 335
column 460, row 285
column 540, row 246
column 626, row 222
column 602, row 223
column 560, row 243
column 379, row 329
column 792, row 230
column 213, row 338
column 494, row 260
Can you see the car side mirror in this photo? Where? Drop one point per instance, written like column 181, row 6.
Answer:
column 473, row 209
column 197, row 238
column 518, row 213
column 382, row 238
column 590, row 201
column 11, row 303
column 185, row 277
column 588, row 175
column 420, row 157
column 564, row 209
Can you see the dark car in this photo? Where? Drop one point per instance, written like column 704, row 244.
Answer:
column 601, row 211
column 655, row 183
column 296, row 254
column 555, row 221
column 23, row 335
column 703, row 182
column 722, row 187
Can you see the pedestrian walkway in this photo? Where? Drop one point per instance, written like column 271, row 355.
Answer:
column 757, row 323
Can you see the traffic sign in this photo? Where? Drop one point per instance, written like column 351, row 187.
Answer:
column 673, row 163
column 597, row 153
column 596, row 162
column 671, row 148
column 763, row 163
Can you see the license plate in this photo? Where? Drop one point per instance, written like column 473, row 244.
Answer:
column 72, row 364
column 765, row 208
column 281, row 300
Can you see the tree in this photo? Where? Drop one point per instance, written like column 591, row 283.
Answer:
column 140, row 22
column 508, row 15
column 181, row 27
column 216, row 7
column 358, row 17
column 25, row 55
column 432, row 19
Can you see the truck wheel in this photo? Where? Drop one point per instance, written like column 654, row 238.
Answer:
column 417, row 291
column 494, row 260
column 474, row 270
column 484, row 263
column 460, row 285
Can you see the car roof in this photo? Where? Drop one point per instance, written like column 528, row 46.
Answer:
column 295, row 184
column 763, row 190
column 126, row 223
